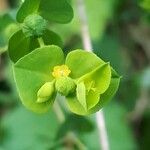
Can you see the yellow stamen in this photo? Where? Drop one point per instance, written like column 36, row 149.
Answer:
column 61, row 71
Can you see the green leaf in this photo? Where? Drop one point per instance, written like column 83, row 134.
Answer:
column 27, row 130
column 51, row 38
column 58, row 11
column 94, row 98
column 97, row 82
column 20, row 45
column 81, row 62
column 28, row 7
column 34, row 70
column 108, row 95
column 99, row 78
column 75, row 106
column 81, row 94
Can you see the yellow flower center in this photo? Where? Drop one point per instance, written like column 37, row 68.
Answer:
column 61, row 71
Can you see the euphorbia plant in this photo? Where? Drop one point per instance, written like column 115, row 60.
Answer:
column 41, row 71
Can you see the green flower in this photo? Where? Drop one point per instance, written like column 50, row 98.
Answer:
column 84, row 79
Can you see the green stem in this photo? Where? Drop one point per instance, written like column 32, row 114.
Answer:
column 41, row 42
column 59, row 113
column 61, row 118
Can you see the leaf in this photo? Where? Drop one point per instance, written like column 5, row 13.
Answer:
column 75, row 106
column 108, row 95
column 81, row 62
column 27, row 130
column 99, row 77
column 51, row 38
column 34, row 70
column 97, row 82
column 28, row 7
column 94, row 98
column 81, row 94
column 20, row 45
column 58, row 11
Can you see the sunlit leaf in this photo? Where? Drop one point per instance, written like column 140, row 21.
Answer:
column 33, row 71
column 81, row 62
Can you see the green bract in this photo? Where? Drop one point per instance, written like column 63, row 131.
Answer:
column 88, row 82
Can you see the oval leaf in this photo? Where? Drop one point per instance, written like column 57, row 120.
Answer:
column 81, row 62
column 108, row 95
column 34, row 70
column 58, row 11
column 98, row 79
column 102, row 99
column 51, row 38
column 20, row 45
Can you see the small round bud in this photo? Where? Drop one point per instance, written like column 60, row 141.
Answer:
column 45, row 92
column 65, row 85
column 34, row 25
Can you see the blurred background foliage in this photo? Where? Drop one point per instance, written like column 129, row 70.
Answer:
column 120, row 32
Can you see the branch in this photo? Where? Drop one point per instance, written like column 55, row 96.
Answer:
column 88, row 46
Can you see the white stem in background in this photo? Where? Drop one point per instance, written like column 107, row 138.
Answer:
column 88, row 46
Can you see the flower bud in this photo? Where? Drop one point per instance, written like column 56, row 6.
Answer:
column 34, row 25
column 65, row 85
column 45, row 92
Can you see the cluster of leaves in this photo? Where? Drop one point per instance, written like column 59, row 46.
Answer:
column 43, row 133
column 113, row 41
column 93, row 80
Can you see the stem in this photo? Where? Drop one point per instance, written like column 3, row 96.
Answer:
column 88, row 46
column 61, row 118
column 59, row 113
column 41, row 42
